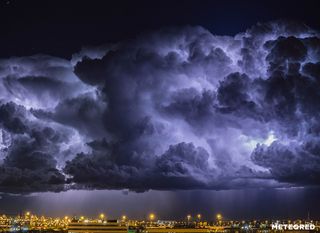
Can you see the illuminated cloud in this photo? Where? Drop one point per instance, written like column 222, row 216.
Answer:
column 173, row 109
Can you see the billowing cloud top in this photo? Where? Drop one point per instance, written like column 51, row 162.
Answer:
column 174, row 109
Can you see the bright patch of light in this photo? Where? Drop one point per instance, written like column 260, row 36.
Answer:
column 251, row 143
column 271, row 138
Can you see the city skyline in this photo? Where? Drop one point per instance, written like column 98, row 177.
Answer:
column 30, row 222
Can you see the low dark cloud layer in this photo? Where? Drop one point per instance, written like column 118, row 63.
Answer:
column 178, row 108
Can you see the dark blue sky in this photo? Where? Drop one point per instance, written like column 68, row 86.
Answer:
column 61, row 28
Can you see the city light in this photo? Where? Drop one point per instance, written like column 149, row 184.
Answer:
column 84, row 224
column 152, row 217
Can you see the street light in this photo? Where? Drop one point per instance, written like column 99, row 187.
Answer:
column 101, row 216
column 124, row 218
column 199, row 216
column 188, row 217
column 219, row 217
column 152, row 217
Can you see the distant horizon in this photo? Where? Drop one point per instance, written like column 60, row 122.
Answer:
column 170, row 204
column 193, row 220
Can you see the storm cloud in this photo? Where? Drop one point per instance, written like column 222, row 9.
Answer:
column 178, row 108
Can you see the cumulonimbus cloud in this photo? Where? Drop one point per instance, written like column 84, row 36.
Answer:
column 178, row 108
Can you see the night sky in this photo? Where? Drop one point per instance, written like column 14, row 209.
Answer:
column 129, row 107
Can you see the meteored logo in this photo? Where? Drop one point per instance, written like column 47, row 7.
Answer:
column 293, row 227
